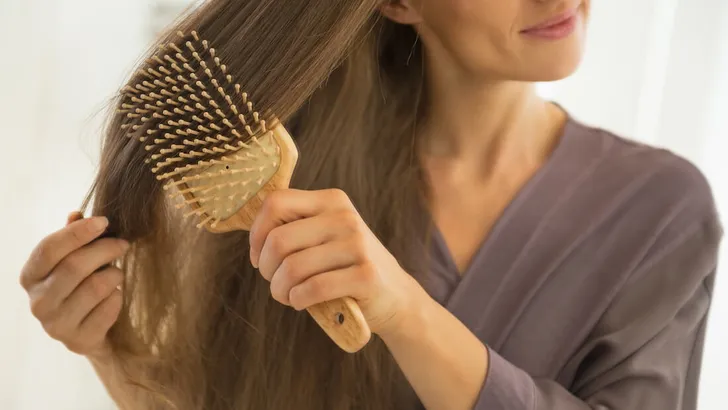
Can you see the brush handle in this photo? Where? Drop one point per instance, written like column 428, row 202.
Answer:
column 344, row 323
column 341, row 319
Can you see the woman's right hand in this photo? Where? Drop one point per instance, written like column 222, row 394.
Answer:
column 72, row 291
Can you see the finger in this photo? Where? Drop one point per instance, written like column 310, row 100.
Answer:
column 305, row 233
column 93, row 329
column 92, row 291
column 48, row 295
column 351, row 281
column 102, row 317
column 76, row 216
column 77, row 267
column 288, row 205
column 56, row 246
column 300, row 266
column 73, row 217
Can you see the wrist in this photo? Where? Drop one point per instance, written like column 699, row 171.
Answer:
column 412, row 317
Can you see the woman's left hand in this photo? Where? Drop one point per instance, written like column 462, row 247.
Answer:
column 313, row 246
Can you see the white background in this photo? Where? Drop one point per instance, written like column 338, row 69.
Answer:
column 655, row 70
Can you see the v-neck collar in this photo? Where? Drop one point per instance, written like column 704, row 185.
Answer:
column 520, row 201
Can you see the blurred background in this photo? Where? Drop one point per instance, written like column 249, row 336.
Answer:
column 655, row 71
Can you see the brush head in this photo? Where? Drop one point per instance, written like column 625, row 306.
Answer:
column 202, row 134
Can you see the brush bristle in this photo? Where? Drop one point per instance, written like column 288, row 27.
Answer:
column 199, row 129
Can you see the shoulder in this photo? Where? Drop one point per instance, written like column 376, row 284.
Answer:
column 657, row 175
column 661, row 194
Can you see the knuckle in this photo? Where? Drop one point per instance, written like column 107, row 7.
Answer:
column 349, row 219
column 24, row 278
column 37, row 257
column 338, row 196
column 289, row 271
column 367, row 273
column 98, row 285
column 317, row 288
column 73, row 264
column 38, row 307
column 120, row 247
column 359, row 247
column 277, row 242
column 273, row 202
column 42, row 250
column 277, row 293
column 34, row 263
column 53, row 329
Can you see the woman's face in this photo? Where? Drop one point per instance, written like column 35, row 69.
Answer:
column 524, row 40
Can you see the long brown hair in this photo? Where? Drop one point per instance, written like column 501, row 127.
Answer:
column 198, row 324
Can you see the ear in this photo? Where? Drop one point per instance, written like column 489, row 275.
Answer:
column 401, row 11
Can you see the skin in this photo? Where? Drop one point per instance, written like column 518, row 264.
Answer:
column 74, row 306
column 485, row 134
column 77, row 298
column 312, row 245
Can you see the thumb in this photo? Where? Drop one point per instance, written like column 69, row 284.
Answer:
column 73, row 216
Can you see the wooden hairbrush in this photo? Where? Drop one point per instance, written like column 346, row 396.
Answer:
column 204, row 138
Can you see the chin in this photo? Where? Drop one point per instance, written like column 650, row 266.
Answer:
column 554, row 71
column 551, row 66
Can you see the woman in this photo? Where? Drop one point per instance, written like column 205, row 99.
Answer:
column 506, row 255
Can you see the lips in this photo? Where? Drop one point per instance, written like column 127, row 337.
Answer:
column 554, row 28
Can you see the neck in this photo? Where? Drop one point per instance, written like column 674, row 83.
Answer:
column 492, row 120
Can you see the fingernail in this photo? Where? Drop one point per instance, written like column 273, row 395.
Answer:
column 99, row 223
column 124, row 245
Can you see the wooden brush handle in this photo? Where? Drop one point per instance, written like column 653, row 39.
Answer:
column 341, row 319
column 343, row 322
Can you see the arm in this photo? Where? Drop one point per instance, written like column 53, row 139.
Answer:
column 444, row 377
column 74, row 294
column 645, row 353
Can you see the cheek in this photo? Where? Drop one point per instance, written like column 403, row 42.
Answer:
column 481, row 39
column 477, row 34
